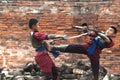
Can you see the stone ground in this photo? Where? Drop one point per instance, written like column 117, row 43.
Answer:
column 77, row 71
column 58, row 16
column 71, row 67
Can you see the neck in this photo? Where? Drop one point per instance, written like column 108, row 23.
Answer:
column 34, row 30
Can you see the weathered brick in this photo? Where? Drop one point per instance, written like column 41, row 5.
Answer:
column 14, row 29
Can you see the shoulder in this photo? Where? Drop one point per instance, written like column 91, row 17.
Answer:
column 111, row 41
column 35, row 33
column 110, row 44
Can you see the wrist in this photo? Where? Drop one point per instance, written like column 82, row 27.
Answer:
column 92, row 33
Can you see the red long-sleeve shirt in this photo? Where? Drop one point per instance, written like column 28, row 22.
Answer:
column 42, row 58
column 98, row 50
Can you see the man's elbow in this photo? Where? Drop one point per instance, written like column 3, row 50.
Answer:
column 110, row 45
column 108, row 41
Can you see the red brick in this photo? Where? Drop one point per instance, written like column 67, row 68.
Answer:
column 59, row 23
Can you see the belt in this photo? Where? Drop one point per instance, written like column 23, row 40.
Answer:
column 42, row 48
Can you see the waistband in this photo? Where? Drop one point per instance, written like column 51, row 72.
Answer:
column 41, row 48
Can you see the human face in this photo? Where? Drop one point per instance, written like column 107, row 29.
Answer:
column 109, row 32
column 38, row 26
column 34, row 27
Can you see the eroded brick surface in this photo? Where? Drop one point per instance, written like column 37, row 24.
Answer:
column 56, row 16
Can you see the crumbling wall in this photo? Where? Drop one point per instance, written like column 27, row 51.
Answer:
column 56, row 16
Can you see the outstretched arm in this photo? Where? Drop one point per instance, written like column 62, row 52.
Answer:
column 104, row 37
column 79, row 27
column 54, row 36
column 42, row 36
column 78, row 36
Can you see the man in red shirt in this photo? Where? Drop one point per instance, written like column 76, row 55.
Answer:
column 41, row 55
column 92, row 49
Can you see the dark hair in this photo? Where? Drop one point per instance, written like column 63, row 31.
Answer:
column 84, row 24
column 114, row 28
column 32, row 22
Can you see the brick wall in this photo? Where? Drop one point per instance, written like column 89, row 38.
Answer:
column 55, row 16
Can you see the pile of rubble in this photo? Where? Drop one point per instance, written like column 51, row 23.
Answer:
column 78, row 72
